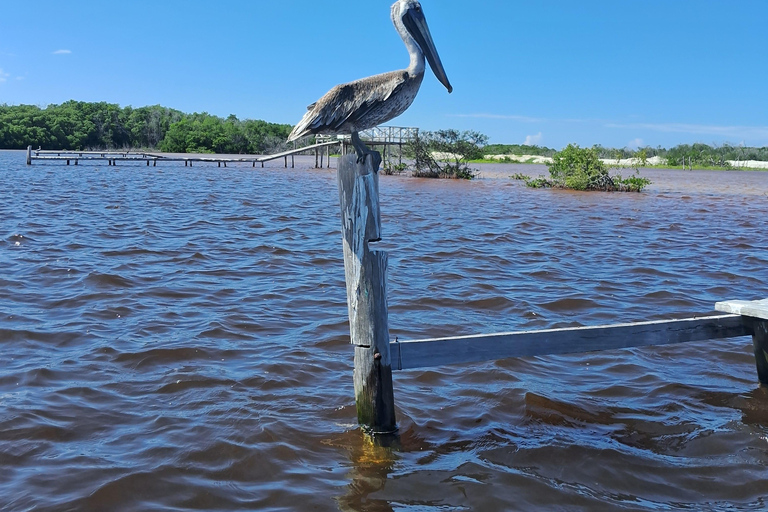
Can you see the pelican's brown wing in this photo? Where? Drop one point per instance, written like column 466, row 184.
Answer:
column 351, row 107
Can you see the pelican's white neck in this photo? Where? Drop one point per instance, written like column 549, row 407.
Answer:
column 417, row 65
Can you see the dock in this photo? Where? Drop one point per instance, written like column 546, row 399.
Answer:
column 151, row 159
column 382, row 136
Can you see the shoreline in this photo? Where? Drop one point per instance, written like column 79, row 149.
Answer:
column 655, row 162
column 493, row 160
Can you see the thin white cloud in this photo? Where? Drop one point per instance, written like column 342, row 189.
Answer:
column 524, row 119
column 736, row 132
column 636, row 143
column 533, row 140
column 3, row 75
column 62, row 52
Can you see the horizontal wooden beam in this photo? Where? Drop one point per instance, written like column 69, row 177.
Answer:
column 408, row 355
column 751, row 308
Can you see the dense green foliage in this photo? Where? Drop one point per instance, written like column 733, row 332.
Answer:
column 517, row 149
column 581, row 169
column 203, row 133
column 80, row 126
column 699, row 155
column 445, row 153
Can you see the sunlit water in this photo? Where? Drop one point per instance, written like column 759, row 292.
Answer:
column 176, row 339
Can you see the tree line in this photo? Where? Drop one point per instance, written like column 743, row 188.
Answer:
column 693, row 154
column 81, row 126
column 697, row 154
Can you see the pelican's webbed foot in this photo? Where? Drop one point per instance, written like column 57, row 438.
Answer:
column 362, row 151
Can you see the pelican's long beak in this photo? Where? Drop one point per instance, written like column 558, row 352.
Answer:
column 416, row 24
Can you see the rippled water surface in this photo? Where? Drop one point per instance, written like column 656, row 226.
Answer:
column 176, row 339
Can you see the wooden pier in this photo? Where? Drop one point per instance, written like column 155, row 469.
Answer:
column 382, row 136
column 151, row 159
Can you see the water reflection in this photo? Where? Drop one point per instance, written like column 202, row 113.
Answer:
column 373, row 460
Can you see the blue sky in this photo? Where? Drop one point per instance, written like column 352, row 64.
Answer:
column 612, row 72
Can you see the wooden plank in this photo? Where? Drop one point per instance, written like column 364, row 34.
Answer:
column 365, row 272
column 296, row 151
column 752, row 308
column 470, row 349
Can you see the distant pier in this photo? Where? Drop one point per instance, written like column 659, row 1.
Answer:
column 384, row 136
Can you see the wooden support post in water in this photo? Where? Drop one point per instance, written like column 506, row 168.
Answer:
column 316, row 158
column 293, row 164
column 365, row 272
column 755, row 313
column 29, row 155
column 760, row 344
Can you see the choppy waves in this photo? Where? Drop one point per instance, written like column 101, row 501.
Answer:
column 176, row 339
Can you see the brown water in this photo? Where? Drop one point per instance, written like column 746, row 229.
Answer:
column 176, row 339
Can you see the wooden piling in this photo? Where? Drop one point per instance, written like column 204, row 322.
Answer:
column 29, row 155
column 755, row 314
column 760, row 344
column 365, row 272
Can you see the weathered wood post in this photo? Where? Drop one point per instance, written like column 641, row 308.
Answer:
column 760, row 343
column 365, row 272
column 755, row 314
column 29, row 155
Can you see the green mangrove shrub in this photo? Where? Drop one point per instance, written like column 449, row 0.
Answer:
column 445, row 153
column 579, row 168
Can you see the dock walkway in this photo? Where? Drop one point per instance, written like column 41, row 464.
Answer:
column 380, row 136
column 112, row 157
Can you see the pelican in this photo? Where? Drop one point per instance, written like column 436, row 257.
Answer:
column 368, row 102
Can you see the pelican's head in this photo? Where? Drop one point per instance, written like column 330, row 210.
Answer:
column 408, row 15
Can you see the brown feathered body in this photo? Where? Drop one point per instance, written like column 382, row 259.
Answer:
column 360, row 105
